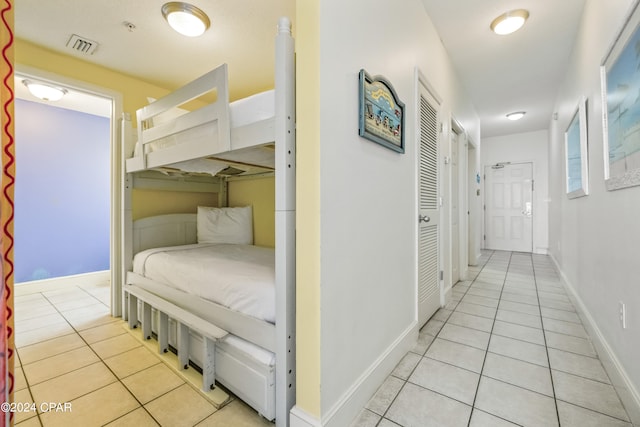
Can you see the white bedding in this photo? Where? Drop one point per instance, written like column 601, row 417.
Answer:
column 240, row 277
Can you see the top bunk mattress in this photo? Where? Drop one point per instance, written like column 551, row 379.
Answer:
column 239, row 277
column 254, row 108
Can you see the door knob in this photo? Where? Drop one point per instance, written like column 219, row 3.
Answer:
column 423, row 218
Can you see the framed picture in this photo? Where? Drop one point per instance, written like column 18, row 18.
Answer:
column 576, row 153
column 381, row 112
column 620, row 75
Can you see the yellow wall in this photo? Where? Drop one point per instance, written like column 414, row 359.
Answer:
column 259, row 193
column 147, row 203
column 134, row 95
column 308, row 208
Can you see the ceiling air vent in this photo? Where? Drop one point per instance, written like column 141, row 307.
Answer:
column 82, row 45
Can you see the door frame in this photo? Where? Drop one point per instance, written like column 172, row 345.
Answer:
column 486, row 195
column 115, row 254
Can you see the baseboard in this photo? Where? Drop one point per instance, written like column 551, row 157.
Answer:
column 299, row 418
column 85, row 279
column 619, row 378
column 356, row 397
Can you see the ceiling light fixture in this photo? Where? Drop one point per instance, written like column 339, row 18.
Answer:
column 44, row 91
column 517, row 115
column 185, row 18
column 509, row 22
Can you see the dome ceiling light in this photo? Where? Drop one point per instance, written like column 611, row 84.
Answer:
column 185, row 18
column 517, row 115
column 44, row 91
column 509, row 22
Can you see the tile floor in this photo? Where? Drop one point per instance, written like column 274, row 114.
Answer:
column 71, row 350
column 508, row 349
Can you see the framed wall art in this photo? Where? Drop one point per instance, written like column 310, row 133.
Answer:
column 576, row 152
column 620, row 79
column 381, row 112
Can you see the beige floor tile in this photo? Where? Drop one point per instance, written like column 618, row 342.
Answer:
column 451, row 381
column 575, row 416
column 417, row 406
column 520, row 373
column 44, row 349
column 577, row 364
column 38, row 335
column 587, row 393
column 74, row 384
column 24, row 397
column 515, row 404
column 91, row 321
column 482, row 419
column 20, row 381
column 116, row 345
column 76, row 303
column 406, row 366
column 132, row 361
column 103, row 332
column 467, row 336
column 138, row 418
column 152, row 382
column 31, row 422
column 365, row 418
column 236, row 414
column 31, row 310
column 60, row 364
column 523, row 333
column 94, row 409
column 460, row 355
column 385, row 395
column 192, row 409
column 470, row 321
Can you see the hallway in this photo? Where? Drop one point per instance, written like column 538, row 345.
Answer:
column 508, row 349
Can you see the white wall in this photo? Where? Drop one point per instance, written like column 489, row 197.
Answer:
column 526, row 147
column 594, row 239
column 368, row 193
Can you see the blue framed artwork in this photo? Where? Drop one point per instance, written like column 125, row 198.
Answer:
column 576, row 153
column 381, row 112
column 620, row 75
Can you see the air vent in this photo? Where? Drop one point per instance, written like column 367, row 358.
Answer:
column 82, row 45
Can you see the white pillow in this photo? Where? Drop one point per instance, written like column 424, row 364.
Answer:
column 225, row 225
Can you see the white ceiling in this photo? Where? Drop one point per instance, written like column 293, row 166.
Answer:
column 501, row 73
column 517, row 72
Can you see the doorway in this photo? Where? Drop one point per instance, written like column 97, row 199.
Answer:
column 509, row 207
column 89, row 98
column 428, row 205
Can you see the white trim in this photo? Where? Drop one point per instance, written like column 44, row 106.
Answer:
column 83, row 280
column 619, row 378
column 356, row 397
column 301, row 418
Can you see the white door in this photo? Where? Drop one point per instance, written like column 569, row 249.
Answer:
column 509, row 208
column 455, row 211
column 429, row 215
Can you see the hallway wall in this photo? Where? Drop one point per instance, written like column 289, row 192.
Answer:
column 594, row 239
column 521, row 148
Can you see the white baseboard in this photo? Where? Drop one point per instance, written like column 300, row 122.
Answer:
column 619, row 378
column 356, row 397
column 85, row 279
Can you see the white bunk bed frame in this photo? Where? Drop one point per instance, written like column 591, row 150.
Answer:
column 223, row 142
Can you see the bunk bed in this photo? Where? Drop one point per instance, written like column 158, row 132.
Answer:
column 253, row 355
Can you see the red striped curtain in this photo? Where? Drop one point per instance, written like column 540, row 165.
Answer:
column 6, row 206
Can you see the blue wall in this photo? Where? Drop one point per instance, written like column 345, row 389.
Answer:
column 62, row 192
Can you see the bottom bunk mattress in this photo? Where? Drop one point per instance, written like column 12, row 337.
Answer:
column 239, row 277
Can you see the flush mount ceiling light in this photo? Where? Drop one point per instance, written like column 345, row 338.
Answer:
column 44, row 91
column 509, row 22
column 517, row 115
column 185, row 18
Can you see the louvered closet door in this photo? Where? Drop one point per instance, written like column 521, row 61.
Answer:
column 429, row 216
